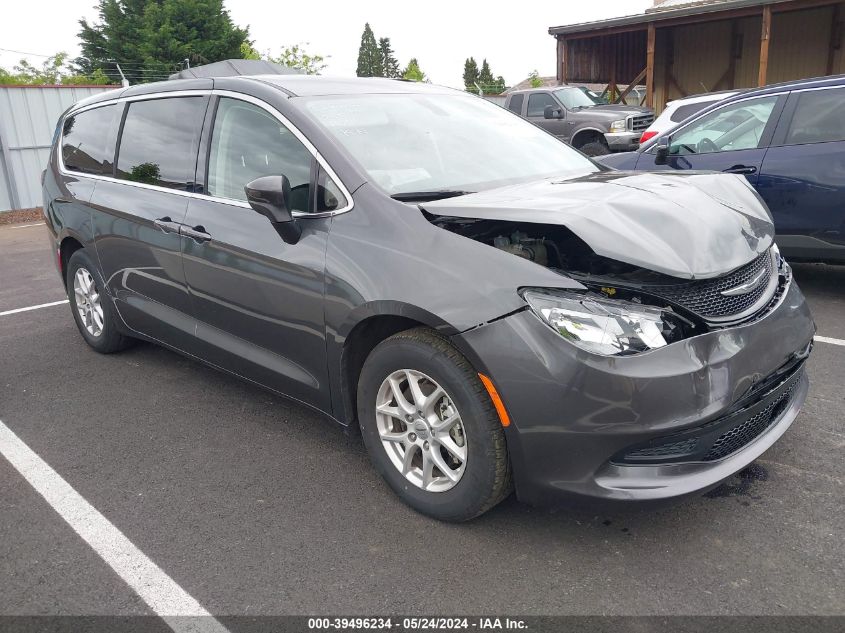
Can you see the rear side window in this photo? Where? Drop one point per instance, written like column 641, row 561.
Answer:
column 686, row 111
column 515, row 104
column 84, row 139
column 819, row 117
column 537, row 103
column 158, row 144
column 248, row 142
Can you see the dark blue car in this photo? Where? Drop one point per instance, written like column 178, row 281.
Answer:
column 788, row 140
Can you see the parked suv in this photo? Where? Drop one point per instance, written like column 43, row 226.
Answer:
column 679, row 110
column 488, row 306
column 788, row 140
column 574, row 117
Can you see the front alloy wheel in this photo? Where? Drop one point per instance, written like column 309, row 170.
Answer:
column 421, row 430
column 430, row 426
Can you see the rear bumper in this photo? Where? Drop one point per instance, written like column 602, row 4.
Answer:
column 573, row 414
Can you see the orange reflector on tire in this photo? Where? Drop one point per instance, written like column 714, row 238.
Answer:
column 497, row 400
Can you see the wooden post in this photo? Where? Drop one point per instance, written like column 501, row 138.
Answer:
column 649, row 74
column 835, row 39
column 563, row 59
column 765, row 36
column 559, row 59
column 612, row 86
column 668, row 62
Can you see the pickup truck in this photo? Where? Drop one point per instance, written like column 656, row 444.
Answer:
column 569, row 114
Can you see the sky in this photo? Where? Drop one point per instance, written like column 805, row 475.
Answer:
column 440, row 34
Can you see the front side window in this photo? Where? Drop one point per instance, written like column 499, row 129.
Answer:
column 84, row 139
column 819, row 117
column 158, row 145
column 736, row 126
column 247, row 142
column 424, row 142
column 537, row 103
column 515, row 104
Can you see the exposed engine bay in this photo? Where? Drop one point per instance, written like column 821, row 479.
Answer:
column 696, row 306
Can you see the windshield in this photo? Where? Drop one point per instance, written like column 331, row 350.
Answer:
column 435, row 142
column 596, row 98
column 573, row 98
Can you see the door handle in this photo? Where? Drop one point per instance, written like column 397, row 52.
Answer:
column 196, row 233
column 167, row 225
column 741, row 169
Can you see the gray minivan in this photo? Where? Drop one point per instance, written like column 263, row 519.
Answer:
column 488, row 306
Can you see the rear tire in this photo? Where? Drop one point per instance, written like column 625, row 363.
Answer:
column 91, row 305
column 595, row 148
column 450, row 462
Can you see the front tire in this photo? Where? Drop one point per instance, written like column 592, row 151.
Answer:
column 595, row 148
column 91, row 306
column 430, row 427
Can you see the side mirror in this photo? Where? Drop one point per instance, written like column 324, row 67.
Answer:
column 661, row 155
column 270, row 196
column 551, row 112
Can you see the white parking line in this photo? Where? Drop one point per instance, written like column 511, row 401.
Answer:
column 174, row 605
column 827, row 339
column 23, row 226
column 38, row 307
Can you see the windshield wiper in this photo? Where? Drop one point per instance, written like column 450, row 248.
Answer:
column 428, row 196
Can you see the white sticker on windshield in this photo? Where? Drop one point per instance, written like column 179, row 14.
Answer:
column 392, row 178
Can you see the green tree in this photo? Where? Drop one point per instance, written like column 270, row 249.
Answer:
column 291, row 56
column 470, row 74
column 488, row 83
column 152, row 38
column 54, row 70
column 535, row 80
column 296, row 57
column 248, row 52
column 116, row 37
column 412, row 71
column 389, row 63
column 369, row 57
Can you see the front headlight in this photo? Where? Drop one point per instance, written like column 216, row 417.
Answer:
column 603, row 326
column 619, row 126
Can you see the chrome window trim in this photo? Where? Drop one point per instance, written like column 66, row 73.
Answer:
column 201, row 196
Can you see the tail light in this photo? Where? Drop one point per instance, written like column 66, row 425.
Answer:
column 648, row 134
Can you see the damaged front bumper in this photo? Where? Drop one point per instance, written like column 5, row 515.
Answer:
column 622, row 428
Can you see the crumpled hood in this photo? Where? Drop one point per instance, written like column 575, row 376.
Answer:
column 691, row 225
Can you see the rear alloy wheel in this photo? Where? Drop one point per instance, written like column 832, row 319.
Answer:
column 92, row 308
column 430, row 427
column 87, row 301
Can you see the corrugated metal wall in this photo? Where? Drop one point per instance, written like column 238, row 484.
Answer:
column 28, row 116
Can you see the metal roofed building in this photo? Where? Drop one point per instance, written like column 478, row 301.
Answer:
column 683, row 47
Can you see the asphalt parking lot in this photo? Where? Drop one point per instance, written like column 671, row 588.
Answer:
column 256, row 506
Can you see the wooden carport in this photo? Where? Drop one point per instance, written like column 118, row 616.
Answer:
column 704, row 46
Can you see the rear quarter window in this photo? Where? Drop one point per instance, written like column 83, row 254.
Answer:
column 85, row 136
column 515, row 104
column 686, row 111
